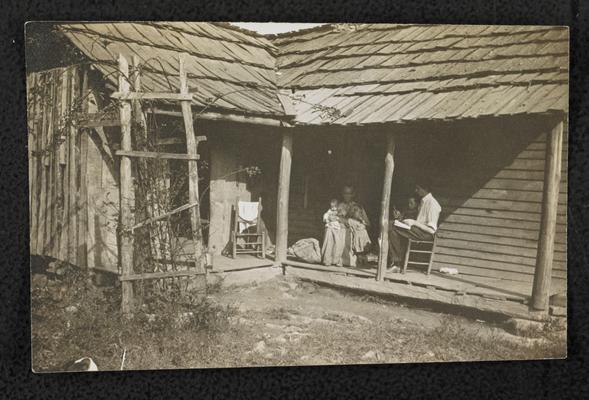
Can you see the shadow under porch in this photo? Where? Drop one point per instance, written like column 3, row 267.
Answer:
column 488, row 174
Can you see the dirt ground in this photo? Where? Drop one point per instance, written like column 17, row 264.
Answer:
column 264, row 318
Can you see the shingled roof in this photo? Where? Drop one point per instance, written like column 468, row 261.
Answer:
column 347, row 73
column 227, row 68
column 390, row 73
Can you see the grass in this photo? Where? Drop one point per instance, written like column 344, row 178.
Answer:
column 199, row 332
column 85, row 321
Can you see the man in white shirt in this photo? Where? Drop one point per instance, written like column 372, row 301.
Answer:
column 422, row 228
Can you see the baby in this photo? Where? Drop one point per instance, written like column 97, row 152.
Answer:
column 410, row 212
column 331, row 217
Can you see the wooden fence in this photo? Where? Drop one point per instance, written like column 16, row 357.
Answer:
column 73, row 182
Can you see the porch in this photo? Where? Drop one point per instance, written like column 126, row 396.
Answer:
column 492, row 295
column 503, row 224
column 489, row 295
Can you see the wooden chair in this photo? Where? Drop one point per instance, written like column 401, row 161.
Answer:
column 254, row 243
column 420, row 247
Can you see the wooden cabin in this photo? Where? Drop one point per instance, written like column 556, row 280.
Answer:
column 481, row 111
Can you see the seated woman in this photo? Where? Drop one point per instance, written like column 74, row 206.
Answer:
column 354, row 221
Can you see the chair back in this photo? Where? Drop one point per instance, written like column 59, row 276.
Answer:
column 247, row 213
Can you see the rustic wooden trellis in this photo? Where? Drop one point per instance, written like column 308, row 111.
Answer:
column 128, row 99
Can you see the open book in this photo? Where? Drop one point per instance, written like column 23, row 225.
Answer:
column 400, row 224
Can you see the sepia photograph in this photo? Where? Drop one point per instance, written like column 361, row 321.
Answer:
column 222, row 195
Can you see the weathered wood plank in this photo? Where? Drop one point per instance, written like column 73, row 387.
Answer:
column 525, row 243
column 466, row 270
column 192, row 150
column 126, row 190
column 72, row 162
column 34, row 161
column 160, row 275
column 486, row 221
column 94, row 188
column 30, row 140
column 62, row 210
column 485, row 255
column 385, row 206
column 510, row 308
column 511, row 194
column 160, row 155
column 495, row 249
column 523, row 174
column 542, row 277
column 539, row 154
column 83, row 202
column 170, row 141
column 505, row 232
column 164, row 215
column 503, row 205
column 332, row 269
column 519, row 184
column 283, row 196
column 94, row 119
column 152, row 96
column 217, row 116
column 53, row 159
column 501, row 214
column 481, row 262
column 477, row 270
column 41, row 143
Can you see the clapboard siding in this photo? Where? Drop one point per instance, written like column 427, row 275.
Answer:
column 491, row 229
column 495, row 248
column 492, row 256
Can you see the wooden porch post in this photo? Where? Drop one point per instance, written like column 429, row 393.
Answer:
column 126, row 191
column 545, row 254
column 191, row 147
column 283, row 195
column 389, row 166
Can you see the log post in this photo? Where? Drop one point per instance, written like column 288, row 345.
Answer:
column 83, row 195
column 283, row 195
column 126, row 191
column 389, row 166
column 72, row 166
column 545, row 254
column 191, row 147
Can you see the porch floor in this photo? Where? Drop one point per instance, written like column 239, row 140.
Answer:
column 243, row 262
column 492, row 288
column 221, row 263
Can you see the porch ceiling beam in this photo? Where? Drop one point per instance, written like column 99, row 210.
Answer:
column 154, row 154
column 99, row 119
column 217, row 116
column 151, row 96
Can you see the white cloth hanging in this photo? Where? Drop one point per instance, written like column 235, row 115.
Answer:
column 248, row 214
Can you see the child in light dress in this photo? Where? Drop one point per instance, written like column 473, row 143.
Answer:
column 333, row 241
column 331, row 216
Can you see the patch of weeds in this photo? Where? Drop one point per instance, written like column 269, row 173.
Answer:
column 73, row 319
column 450, row 342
